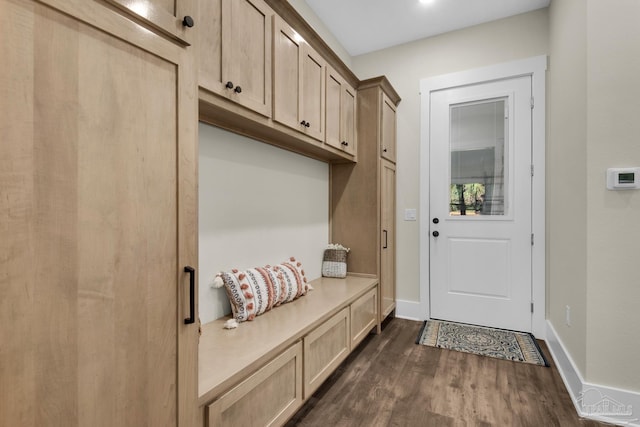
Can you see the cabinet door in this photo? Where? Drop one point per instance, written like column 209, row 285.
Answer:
column 286, row 78
column 299, row 85
column 312, row 94
column 348, row 119
column 333, row 105
column 340, row 107
column 98, row 200
column 235, row 43
column 387, row 264
column 173, row 18
column 267, row 398
column 364, row 316
column 388, row 136
column 324, row 350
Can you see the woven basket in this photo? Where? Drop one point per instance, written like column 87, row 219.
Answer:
column 334, row 263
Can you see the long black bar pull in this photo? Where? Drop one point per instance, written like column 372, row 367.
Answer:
column 385, row 239
column 192, row 295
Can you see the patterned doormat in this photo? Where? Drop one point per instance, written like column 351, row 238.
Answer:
column 498, row 343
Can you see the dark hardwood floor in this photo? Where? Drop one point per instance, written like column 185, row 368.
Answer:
column 391, row 381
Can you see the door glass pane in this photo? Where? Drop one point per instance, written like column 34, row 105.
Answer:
column 478, row 132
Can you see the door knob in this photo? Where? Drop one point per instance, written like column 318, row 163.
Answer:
column 435, row 234
column 187, row 21
column 436, row 220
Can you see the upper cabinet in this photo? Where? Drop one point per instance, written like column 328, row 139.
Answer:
column 235, row 51
column 299, row 82
column 171, row 18
column 340, row 123
column 388, row 123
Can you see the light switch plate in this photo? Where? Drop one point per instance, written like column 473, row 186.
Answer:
column 409, row 214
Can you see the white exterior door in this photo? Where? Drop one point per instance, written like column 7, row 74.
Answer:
column 480, row 204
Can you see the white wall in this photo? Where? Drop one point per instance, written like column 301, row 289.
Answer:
column 258, row 205
column 518, row 37
column 566, row 175
column 613, row 226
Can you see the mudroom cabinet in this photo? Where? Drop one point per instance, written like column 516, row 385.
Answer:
column 98, row 205
column 363, row 194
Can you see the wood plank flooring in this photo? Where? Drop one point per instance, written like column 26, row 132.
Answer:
column 391, row 381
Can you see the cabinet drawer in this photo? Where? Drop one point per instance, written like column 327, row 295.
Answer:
column 364, row 316
column 268, row 397
column 324, row 349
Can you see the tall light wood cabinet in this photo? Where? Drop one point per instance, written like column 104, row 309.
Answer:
column 235, row 51
column 299, row 82
column 98, row 200
column 363, row 194
column 388, row 250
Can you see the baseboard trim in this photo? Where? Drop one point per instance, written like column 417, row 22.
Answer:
column 593, row 401
column 410, row 310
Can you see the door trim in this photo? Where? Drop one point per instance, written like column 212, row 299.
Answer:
column 536, row 68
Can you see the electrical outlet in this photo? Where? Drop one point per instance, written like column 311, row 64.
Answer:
column 568, row 316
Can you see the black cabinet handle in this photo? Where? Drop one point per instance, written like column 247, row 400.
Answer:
column 187, row 21
column 385, row 150
column 308, row 124
column 435, row 234
column 345, row 143
column 385, row 239
column 303, row 123
column 229, row 85
column 436, row 220
column 238, row 89
column 192, row 295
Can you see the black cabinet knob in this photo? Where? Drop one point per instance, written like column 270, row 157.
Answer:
column 303, row 123
column 187, row 21
column 385, row 150
column 238, row 89
column 435, row 234
column 436, row 220
column 229, row 85
column 345, row 143
column 307, row 124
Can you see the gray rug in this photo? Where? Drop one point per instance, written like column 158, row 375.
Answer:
column 498, row 343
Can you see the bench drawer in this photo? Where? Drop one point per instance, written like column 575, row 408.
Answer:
column 324, row 349
column 268, row 397
column 364, row 316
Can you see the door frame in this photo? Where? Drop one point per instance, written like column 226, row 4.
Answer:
column 536, row 68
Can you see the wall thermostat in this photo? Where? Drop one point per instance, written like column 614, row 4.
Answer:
column 623, row 178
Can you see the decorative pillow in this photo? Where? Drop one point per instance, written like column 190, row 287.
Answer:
column 254, row 291
column 292, row 280
column 251, row 292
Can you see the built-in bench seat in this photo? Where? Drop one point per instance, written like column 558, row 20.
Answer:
column 266, row 368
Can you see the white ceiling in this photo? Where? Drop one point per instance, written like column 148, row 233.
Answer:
column 362, row 26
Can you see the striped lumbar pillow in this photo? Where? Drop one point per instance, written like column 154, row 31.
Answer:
column 255, row 291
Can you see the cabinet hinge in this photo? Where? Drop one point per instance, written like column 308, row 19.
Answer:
column 531, row 239
column 532, row 102
column 532, row 307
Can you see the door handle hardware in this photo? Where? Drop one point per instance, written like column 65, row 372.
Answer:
column 435, row 234
column 229, row 85
column 436, row 220
column 187, row 21
column 385, row 239
column 192, row 301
